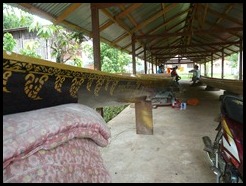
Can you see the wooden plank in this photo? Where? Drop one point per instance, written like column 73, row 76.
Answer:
column 105, row 5
column 144, row 118
column 234, row 86
column 187, row 33
column 32, row 83
column 65, row 13
column 127, row 11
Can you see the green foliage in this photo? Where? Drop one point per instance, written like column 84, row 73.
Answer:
column 113, row 60
column 78, row 62
column 111, row 111
column 44, row 32
column 30, row 49
column 87, row 50
column 65, row 44
column 8, row 42
column 12, row 20
column 78, row 37
column 233, row 60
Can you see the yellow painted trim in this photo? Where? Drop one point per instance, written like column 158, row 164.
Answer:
column 37, row 61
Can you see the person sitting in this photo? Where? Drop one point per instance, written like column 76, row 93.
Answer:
column 196, row 75
column 160, row 69
column 175, row 74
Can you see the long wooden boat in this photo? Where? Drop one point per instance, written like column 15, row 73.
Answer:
column 233, row 86
column 31, row 83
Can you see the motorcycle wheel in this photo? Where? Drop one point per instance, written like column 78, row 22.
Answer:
column 230, row 175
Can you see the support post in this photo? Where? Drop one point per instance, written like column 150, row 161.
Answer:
column 133, row 54
column 145, row 61
column 96, row 43
column 144, row 117
column 212, row 64
column 241, row 60
column 222, row 64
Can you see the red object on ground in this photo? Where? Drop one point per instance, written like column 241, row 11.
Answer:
column 192, row 101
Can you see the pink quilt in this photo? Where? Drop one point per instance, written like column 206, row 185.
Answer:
column 55, row 144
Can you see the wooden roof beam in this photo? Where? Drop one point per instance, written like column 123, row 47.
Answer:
column 105, row 5
column 107, row 13
column 35, row 11
column 129, row 9
column 191, row 52
column 106, row 25
column 154, row 42
column 221, row 18
column 132, row 20
column 225, row 16
column 189, row 22
column 166, row 56
column 195, row 45
column 42, row 14
column 168, row 21
column 198, row 32
column 123, row 36
column 66, row 12
column 187, row 56
column 175, row 63
column 154, row 17
column 205, row 11
column 117, row 19
column 220, row 27
column 177, row 24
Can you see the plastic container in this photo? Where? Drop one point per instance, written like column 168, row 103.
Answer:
column 183, row 106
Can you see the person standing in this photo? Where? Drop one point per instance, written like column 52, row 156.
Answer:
column 175, row 74
column 160, row 69
column 196, row 74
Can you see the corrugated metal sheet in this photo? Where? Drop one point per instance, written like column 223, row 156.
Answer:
column 112, row 32
column 54, row 9
column 82, row 17
column 165, row 29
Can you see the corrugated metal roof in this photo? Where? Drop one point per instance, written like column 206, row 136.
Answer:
column 192, row 30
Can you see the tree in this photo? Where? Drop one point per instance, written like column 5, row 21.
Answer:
column 30, row 49
column 233, row 60
column 11, row 19
column 8, row 42
column 113, row 60
column 64, row 43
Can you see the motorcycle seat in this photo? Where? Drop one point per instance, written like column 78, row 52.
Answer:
column 232, row 106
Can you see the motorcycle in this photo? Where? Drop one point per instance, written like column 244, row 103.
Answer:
column 226, row 151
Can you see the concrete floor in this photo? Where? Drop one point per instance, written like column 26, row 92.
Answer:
column 174, row 153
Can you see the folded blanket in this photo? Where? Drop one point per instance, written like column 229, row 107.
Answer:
column 43, row 129
column 77, row 161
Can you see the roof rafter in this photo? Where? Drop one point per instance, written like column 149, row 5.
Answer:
column 207, row 31
column 195, row 45
column 67, row 11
